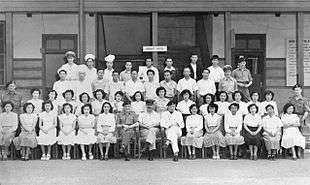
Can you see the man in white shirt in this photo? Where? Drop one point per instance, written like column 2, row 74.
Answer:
column 61, row 85
column 109, row 70
column 169, row 85
column 143, row 70
column 187, row 83
column 149, row 122
column 133, row 85
column 114, row 86
column 205, row 86
column 216, row 72
column 99, row 82
column 172, row 122
column 126, row 74
column 150, row 86
column 82, row 86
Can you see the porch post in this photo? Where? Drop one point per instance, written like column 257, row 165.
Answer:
column 82, row 28
column 299, row 47
column 9, row 46
column 155, row 36
column 227, row 37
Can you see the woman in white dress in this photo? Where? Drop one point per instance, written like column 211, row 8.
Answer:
column 118, row 102
column 161, row 101
column 52, row 96
column 99, row 95
column 292, row 137
column 233, row 127
column 68, row 98
column 47, row 134
column 272, row 132
column 213, row 137
column 138, row 104
column 238, row 98
column 194, row 132
column 86, row 132
column 207, row 100
column 67, row 122
column 105, row 128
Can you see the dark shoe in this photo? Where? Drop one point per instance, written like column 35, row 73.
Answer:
column 235, row 157
column 150, row 155
column 127, row 157
column 101, row 158
column 122, row 150
column 106, row 157
column 232, row 157
column 193, row 156
column 294, row 158
column 255, row 158
column 165, row 145
column 176, row 158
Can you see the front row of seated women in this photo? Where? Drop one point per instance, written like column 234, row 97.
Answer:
column 198, row 130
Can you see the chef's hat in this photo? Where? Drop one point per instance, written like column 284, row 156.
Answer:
column 109, row 58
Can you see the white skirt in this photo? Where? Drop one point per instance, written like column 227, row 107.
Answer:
column 47, row 139
column 66, row 140
column 292, row 137
column 86, row 138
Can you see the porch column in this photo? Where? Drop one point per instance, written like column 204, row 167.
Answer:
column 9, row 46
column 155, row 36
column 299, row 47
column 227, row 37
column 82, row 28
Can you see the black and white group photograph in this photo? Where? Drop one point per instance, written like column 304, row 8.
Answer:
column 154, row 92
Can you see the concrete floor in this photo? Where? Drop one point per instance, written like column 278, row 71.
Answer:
column 166, row 172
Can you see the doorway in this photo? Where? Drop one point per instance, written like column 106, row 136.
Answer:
column 253, row 48
column 54, row 46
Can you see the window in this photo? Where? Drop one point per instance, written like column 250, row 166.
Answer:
column 2, row 52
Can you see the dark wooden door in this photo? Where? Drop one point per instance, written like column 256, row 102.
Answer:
column 253, row 48
column 54, row 46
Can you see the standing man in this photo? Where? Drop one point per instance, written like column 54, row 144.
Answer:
column 187, row 83
column 90, row 70
column 99, row 82
column 109, row 70
column 244, row 78
column 114, row 86
column 300, row 103
column 228, row 83
column 150, row 86
column 133, row 85
column 149, row 127
column 195, row 68
column 205, row 86
column 127, row 122
column 126, row 74
column 169, row 85
column 143, row 71
column 216, row 72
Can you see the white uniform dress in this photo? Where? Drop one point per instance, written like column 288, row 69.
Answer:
column 195, row 139
column 48, row 119
column 88, row 137
column 222, row 107
column 272, row 124
column 233, row 123
column 138, row 107
column 68, row 121
column 106, row 127
column 97, row 106
column 291, row 135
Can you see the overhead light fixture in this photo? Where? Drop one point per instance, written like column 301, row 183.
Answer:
column 216, row 14
column 277, row 14
column 29, row 14
column 91, row 14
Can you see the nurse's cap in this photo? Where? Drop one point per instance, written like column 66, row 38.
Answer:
column 109, row 58
column 70, row 53
column 89, row 56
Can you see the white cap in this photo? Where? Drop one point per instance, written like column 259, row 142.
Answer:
column 109, row 58
column 70, row 53
column 89, row 56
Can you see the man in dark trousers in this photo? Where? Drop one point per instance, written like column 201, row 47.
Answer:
column 195, row 67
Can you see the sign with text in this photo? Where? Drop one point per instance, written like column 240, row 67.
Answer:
column 291, row 68
column 154, row 48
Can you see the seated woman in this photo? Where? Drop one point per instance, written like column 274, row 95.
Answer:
column 194, row 126
column 207, row 100
column 272, row 132
column 213, row 136
column 233, row 126
column 252, row 130
column 292, row 137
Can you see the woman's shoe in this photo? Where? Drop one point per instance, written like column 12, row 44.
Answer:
column 48, row 157
column 84, row 157
column 43, row 158
column 91, row 157
column 106, row 157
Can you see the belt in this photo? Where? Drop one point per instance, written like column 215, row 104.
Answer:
column 243, row 82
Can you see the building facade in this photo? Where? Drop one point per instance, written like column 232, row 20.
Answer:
column 272, row 34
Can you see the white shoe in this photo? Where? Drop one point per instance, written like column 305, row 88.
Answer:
column 91, row 157
column 64, row 157
column 48, row 156
column 68, row 156
column 43, row 158
column 84, row 157
column 214, row 157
